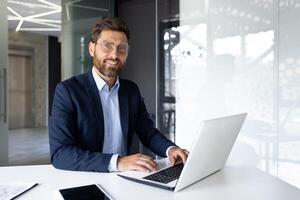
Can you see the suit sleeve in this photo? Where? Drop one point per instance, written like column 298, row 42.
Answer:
column 150, row 136
column 65, row 149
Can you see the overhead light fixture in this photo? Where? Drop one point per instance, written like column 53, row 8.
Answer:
column 48, row 24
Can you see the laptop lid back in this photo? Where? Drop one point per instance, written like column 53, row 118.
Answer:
column 211, row 148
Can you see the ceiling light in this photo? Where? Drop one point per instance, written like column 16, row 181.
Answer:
column 51, row 8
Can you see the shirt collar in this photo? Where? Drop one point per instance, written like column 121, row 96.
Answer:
column 101, row 84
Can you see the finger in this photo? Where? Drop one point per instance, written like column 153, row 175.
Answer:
column 186, row 152
column 129, row 162
column 140, row 158
column 141, row 168
column 144, row 157
column 152, row 163
column 179, row 155
column 149, row 160
column 145, row 166
column 172, row 159
column 182, row 155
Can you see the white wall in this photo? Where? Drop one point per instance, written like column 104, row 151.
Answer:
column 243, row 56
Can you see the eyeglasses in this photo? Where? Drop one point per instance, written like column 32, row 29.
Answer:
column 109, row 47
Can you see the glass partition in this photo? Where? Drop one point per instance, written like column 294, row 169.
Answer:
column 219, row 58
column 78, row 17
column 288, row 74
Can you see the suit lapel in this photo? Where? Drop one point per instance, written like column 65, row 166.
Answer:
column 96, row 103
column 124, row 110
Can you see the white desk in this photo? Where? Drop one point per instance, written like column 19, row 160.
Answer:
column 230, row 183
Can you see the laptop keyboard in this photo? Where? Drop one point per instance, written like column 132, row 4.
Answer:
column 167, row 175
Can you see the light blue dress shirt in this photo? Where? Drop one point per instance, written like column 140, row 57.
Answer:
column 113, row 143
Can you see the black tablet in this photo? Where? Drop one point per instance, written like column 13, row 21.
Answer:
column 86, row 192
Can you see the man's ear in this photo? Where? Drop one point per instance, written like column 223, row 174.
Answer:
column 91, row 48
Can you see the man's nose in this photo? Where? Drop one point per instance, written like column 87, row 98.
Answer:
column 114, row 52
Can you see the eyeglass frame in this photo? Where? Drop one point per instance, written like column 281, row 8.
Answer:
column 112, row 46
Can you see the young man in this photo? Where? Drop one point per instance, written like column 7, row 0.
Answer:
column 94, row 115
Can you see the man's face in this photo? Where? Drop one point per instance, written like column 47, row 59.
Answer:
column 109, row 53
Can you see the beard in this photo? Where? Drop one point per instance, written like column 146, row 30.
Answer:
column 110, row 72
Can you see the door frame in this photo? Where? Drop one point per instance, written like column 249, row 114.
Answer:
column 3, row 84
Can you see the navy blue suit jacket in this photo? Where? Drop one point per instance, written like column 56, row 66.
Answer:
column 76, row 124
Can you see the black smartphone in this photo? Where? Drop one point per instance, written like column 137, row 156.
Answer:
column 87, row 192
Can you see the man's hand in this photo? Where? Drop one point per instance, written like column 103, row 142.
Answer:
column 138, row 162
column 176, row 153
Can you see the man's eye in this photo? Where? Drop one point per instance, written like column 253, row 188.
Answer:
column 107, row 46
column 123, row 47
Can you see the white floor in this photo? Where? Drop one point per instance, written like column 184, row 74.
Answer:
column 29, row 146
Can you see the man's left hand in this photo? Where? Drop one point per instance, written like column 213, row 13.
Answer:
column 176, row 153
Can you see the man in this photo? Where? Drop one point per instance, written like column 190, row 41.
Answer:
column 94, row 115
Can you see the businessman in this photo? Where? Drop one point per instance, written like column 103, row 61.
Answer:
column 94, row 115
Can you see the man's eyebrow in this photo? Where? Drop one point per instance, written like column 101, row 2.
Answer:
column 122, row 43
column 107, row 41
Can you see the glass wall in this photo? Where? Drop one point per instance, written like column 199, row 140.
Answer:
column 224, row 57
column 288, row 73
column 78, row 17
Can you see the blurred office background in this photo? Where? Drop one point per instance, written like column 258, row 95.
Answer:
column 193, row 60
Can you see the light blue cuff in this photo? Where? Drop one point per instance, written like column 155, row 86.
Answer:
column 168, row 149
column 112, row 166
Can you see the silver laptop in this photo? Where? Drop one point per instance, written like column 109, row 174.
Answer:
column 209, row 153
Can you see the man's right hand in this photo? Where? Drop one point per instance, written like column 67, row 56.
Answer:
column 136, row 162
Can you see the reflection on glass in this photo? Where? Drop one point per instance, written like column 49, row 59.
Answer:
column 78, row 17
column 289, row 92
column 224, row 57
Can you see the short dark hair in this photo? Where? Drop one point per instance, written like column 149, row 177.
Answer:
column 109, row 24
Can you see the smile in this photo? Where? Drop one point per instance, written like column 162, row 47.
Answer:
column 111, row 62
